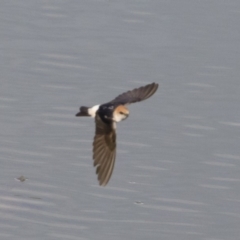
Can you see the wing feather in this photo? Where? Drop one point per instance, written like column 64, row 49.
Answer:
column 109, row 171
column 104, row 150
column 136, row 95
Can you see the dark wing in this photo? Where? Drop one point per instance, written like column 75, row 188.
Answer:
column 104, row 150
column 136, row 95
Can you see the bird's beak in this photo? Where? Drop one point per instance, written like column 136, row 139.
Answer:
column 126, row 115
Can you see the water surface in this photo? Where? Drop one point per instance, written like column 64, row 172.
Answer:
column 178, row 159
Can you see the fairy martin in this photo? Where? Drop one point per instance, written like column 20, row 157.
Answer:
column 106, row 115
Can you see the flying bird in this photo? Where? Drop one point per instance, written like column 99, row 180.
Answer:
column 106, row 116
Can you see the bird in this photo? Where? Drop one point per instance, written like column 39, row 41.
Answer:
column 106, row 116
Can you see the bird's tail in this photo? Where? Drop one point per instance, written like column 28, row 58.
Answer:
column 83, row 112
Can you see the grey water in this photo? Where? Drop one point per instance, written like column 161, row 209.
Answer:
column 177, row 172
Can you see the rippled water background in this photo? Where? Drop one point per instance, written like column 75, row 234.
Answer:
column 177, row 174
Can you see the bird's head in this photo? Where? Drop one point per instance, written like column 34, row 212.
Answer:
column 120, row 113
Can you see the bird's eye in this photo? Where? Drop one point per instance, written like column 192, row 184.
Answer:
column 121, row 112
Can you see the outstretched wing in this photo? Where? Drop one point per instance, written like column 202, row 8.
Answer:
column 104, row 150
column 136, row 95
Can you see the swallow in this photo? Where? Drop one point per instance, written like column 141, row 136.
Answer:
column 106, row 116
